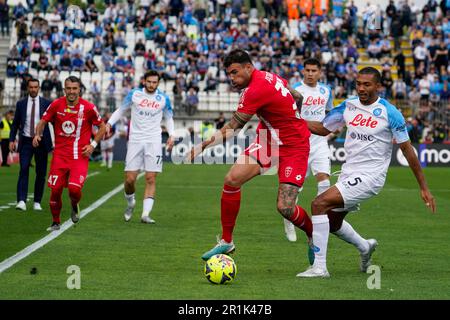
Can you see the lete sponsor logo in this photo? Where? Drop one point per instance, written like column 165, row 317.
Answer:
column 310, row 101
column 146, row 103
column 360, row 121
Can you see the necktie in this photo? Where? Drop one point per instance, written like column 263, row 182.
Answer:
column 33, row 107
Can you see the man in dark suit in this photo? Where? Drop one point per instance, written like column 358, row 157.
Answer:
column 28, row 114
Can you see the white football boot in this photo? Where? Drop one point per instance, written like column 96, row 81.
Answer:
column 289, row 229
column 314, row 272
column 365, row 257
column 129, row 211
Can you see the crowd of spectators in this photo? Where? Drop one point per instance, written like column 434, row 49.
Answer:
column 191, row 36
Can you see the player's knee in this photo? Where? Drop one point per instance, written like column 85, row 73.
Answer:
column 285, row 210
column 55, row 195
column 319, row 204
column 232, row 180
column 74, row 190
column 150, row 180
column 130, row 181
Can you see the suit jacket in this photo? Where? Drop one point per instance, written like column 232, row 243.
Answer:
column 19, row 122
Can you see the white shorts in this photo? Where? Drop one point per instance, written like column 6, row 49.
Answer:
column 145, row 156
column 357, row 187
column 319, row 160
column 106, row 144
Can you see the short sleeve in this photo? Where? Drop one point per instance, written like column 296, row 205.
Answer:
column 168, row 110
column 334, row 120
column 49, row 114
column 329, row 105
column 95, row 116
column 250, row 101
column 398, row 125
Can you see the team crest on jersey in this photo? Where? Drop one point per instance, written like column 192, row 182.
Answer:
column 322, row 90
column 287, row 171
column 377, row 112
column 68, row 127
column 158, row 97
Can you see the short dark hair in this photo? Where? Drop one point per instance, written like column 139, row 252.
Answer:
column 237, row 56
column 33, row 80
column 73, row 79
column 151, row 73
column 312, row 62
column 371, row 70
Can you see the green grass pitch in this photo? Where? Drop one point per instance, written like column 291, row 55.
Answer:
column 121, row 260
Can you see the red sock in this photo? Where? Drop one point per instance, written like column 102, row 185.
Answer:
column 74, row 194
column 301, row 220
column 230, row 203
column 56, row 204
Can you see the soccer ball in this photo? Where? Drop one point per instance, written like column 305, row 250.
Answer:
column 220, row 269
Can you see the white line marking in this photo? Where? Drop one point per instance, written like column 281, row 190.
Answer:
column 9, row 262
column 93, row 174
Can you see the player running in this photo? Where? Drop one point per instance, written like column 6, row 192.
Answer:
column 144, row 145
column 372, row 125
column 72, row 118
column 280, row 128
column 317, row 101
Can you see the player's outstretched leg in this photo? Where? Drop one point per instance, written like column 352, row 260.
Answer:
column 230, row 204
column 75, row 196
column 321, row 228
column 343, row 230
column 295, row 214
column 242, row 171
column 149, row 194
column 130, row 179
column 55, row 208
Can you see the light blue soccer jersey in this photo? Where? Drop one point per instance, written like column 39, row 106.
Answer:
column 146, row 114
column 370, row 134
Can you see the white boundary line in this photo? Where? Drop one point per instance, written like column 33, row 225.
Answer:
column 9, row 262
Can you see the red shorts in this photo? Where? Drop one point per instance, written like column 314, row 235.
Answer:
column 292, row 162
column 64, row 172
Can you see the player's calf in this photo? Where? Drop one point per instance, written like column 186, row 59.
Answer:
column 75, row 197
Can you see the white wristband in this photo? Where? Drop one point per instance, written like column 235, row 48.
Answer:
column 94, row 144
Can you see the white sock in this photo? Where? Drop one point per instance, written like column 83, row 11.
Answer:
column 322, row 186
column 110, row 159
column 321, row 230
column 348, row 234
column 130, row 199
column 104, row 156
column 148, row 205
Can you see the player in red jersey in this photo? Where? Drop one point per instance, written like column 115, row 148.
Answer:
column 281, row 136
column 72, row 118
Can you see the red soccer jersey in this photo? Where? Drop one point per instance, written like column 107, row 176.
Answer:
column 72, row 125
column 268, row 97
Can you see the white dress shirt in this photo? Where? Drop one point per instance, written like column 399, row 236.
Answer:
column 37, row 118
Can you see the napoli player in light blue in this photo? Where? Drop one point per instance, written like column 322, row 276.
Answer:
column 144, row 149
column 373, row 124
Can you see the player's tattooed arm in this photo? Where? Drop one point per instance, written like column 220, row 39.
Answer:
column 237, row 122
column 287, row 199
column 317, row 127
column 297, row 96
column 414, row 164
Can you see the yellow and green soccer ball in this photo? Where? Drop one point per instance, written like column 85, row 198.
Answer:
column 220, row 269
